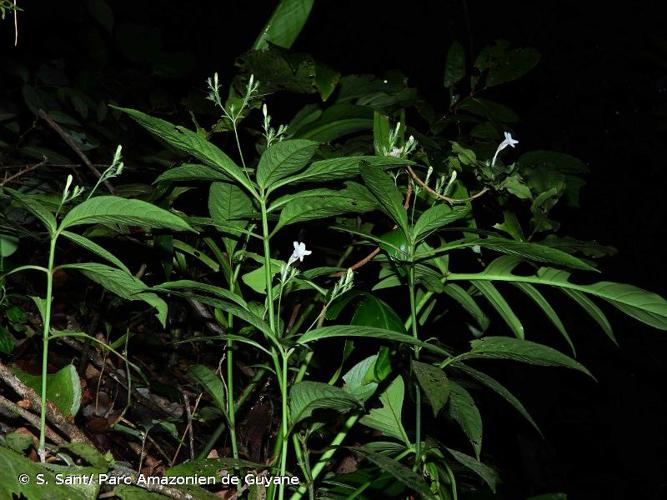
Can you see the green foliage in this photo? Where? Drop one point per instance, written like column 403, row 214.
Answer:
column 310, row 355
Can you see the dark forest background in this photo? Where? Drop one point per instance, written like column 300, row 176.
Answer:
column 599, row 93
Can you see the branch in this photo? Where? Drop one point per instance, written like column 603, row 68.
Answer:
column 53, row 414
column 449, row 200
column 15, row 410
column 75, row 147
column 22, row 172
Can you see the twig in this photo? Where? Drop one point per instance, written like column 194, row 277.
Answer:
column 53, row 414
column 75, row 147
column 449, row 200
column 16, row 410
column 23, row 171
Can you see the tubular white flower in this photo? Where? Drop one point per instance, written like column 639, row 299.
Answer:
column 508, row 141
column 299, row 253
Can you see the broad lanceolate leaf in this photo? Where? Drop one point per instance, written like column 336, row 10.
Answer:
column 386, row 192
column 283, row 159
column 436, row 217
column 463, row 410
column 434, row 382
column 644, row 306
column 499, row 389
column 63, row 388
column 193, row 172
column 484, row 471
column 93, row 247
column 228, row 203
column 387, row 419
column 341, row 168
column 500, row 304
column 360, row 380
column 285, row 24
column 36, row 208
column 526, row 250
column 455, row 67
column 117, row 210
column 593, row 311
column 185, row 286
column 372, row 311
column 468, row 303
column 191, row 143
column 543, row 304
column 302, row 209
column 122, row 284
column 523, row 351
column 346, row 331
column 212, row 383
column 404, row 474
column 306, row 397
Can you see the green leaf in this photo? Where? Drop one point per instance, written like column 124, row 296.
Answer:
column 523, row 351
column 306, row 397
column 644, row 306
column 543, row 304
column 283, row 159
column 345, row 331
column 593, row 311
column 13, row 465
column 387, row 419
column 505, row 65
column 404, row 474
column 88, row 453
column 18, row 441
column 485, row 472
column 468, row 303
column 191, row 143
column 372, row 311
column 386, row 192
column 500, row 304
column 189, row 285
column 285, row 24
column 436, row 217
column 360, row 380
column 93, row 247
column 435, row 384
column 8, row 245
column 341, row 168
column 455, row 67
column 117, row 210
column 211, row 382
column 192, row 172
column 32, row 205
column 381, row 133
column 499, row 389
column 7, row 341
column 122, row 284
column 463, row 410
column 63, row 388
column 303, row 209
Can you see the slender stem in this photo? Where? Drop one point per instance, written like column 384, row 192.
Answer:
column 267, row 267
column 415, row 334
column 231, row 410
column 45, row 351
column 326, row 456
column 284, row 422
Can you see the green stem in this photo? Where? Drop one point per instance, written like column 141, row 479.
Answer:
column 45, row 351
column 267, row 266
column 415, row 334
column 326, row 456
column 284, row 422
column 231, row 410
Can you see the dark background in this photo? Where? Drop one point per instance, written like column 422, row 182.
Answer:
column 599, row 93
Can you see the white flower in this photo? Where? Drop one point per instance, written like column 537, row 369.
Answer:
column 299, row 253
column 508, row 141
column 396, row 152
